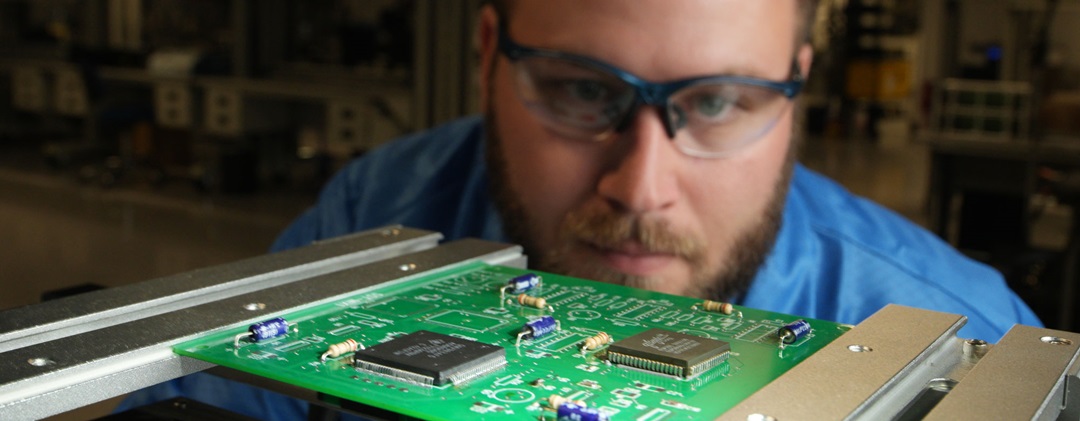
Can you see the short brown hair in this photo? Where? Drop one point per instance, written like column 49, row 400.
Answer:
column 807, row 14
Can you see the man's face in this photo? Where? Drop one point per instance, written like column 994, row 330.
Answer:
column 633, row 208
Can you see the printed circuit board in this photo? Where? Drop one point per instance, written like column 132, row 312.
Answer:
column 496, row 342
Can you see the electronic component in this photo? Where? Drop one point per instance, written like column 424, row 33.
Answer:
column 461, row 302
column 573, row 412
column 555, row 401
column 431, row 359
column 521, row 283
column 535, row 302
column 264, row 330
column 668, row 352
column 718, row 307
column 595, row 341
column 792, row 332
column 538, row 328
column 337, row 349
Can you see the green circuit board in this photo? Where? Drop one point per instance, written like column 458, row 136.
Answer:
column 466, row 303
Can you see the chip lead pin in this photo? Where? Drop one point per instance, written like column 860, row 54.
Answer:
column 262, row 331
column 520, row 284
column 792, row 332
column 337, row 349
column 537, row 328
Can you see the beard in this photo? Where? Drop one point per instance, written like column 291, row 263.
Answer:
column 604, row 227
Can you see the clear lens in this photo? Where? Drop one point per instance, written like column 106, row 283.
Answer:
column 581, row 101
column 719, row 118
column 574, row 99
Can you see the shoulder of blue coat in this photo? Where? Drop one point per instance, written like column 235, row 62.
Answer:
column 435, row 180
column 841, row 257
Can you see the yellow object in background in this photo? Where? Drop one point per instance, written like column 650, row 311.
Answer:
column 884, row 79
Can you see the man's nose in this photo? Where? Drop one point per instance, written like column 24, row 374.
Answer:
column 641, row 176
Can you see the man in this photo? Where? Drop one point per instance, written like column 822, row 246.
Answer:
column 650, row 143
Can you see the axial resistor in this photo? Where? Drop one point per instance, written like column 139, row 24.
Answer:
column 538, row 328
column 718, row 307
column 337, row 349
column 264, row 330
column 555, row 401
column 536, row 302
column 596, row 341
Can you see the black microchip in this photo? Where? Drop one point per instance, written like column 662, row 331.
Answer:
column 429, row 358
column 668, row 352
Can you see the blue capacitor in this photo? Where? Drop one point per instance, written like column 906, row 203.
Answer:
column 538, row 328
column 541, row 327
column 269, row 329
column 264, row 330
column 794, row 331
column 574, row 412
column 523, row 283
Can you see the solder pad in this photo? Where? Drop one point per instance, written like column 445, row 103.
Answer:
column 464, row 304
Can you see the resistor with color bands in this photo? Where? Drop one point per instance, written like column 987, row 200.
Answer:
column 538, row 328
column 792, row 332
column 535, row 302
column 337, row 349
column 264, row 330
column 596, row 341
column 718, row 307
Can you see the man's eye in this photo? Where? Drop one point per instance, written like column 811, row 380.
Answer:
column 712, row 105
column 587, row 90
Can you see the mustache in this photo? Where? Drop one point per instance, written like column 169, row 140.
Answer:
column 606, row 229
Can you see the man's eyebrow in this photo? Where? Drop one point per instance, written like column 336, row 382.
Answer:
column 746, row 71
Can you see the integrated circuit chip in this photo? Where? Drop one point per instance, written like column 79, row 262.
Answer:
column 667, row 352
column 431, row 359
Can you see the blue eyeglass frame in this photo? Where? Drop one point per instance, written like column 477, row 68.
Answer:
column 650, row 93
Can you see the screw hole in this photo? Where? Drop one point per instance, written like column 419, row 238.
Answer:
column 40, row 362
column 1054, row 340
column 254, row 306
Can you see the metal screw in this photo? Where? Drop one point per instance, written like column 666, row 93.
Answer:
column 407, row 267
column 859, row 348
column 974, row 349
column 760, row 417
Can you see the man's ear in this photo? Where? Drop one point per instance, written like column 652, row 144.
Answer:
column 488, row 41
column 805, row 56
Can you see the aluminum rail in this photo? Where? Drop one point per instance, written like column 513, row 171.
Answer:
column 25, row 326
column 904, row 363
column 80, row 368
